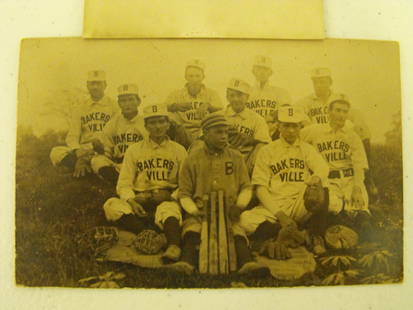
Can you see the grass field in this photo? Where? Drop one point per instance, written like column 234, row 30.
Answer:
column 53, row 210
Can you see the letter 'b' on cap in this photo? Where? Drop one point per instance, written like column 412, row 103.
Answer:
column 263, row 61
column 128, row 89
column 96, row 75
column 239, row 85
column 290, row 114
column 320, row 72
column 153, row 110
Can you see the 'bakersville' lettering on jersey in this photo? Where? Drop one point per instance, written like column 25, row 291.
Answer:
column 122, row 141
column 244, row 130
column 95, row 121
column 193, row 115
column 334, row 150
column 157, row 169
column 281, row 166
column 319, row 114
column 263, row 107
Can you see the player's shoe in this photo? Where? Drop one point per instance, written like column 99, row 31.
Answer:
column 172, row 254
column 181, row 267
column 254, row 268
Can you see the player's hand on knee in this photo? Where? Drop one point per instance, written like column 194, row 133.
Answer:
column 286, row 221
column 275, row 250
column 234, row 213
column 82, row 168
column 357, row 197
column 137, row 208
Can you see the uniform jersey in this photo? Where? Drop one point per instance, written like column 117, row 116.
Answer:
column 148, row 166
column 249, row 123
column 266, row 100
column 283, row 168
column 205, row 171
column 191, row 119
column 120, row 133
column 342, row 149
column 89, row 120
column 317, row 113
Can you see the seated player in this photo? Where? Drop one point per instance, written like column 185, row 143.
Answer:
column 86, row 125
column 249, row 130
column 343, row 150
column 123, row 130
column 282, row 172
column 147, row 179
column 214, row 167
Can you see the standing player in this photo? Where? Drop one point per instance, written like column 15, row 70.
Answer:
column 282, row 172
column 343, row 150
column 265, row 98
column 148, row 176
column 86, row 125
column 316, row 107
column 190, row 104
column 123, row 130
column 248, row 131
column 213, row 167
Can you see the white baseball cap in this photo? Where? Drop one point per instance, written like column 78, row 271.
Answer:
column 339, row 97
column 96, row 75
column 196, row 63
column 320, row 72
column 290, row 114
column 263, row 61
column 153, row 110
column 128, row 89
column 239, row 85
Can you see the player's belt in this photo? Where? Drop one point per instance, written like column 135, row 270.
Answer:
column 342, row 173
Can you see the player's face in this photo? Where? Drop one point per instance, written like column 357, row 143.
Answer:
column 96, row 89
column 289, row 131
column 237, row 100
column 217, row 137
column 128, row 104
column 194, row 76
column 262, row 74
column 322, row 85
column 157, row 126
column 339, row 113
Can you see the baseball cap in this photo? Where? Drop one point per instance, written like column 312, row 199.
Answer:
column 214, row 119
column 339, row 97
column 96, row 75
column 320, row 72
column 263, row 61
column 196, row 63
column 153, row 110
column 290, row 114
column 128, row 89
column 239, row 85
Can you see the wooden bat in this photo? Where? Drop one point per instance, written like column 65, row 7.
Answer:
column 232, row 253
column 213, row 236
column 203, row 249
column 222, row 235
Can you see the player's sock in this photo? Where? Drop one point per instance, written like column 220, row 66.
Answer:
column 189, row 249
column 172, row 230
column 266, row 230
column 109, row 174
column 130, row 222
column 69, row 161
column 243, row 252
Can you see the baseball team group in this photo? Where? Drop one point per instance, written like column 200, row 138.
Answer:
column 289, row 170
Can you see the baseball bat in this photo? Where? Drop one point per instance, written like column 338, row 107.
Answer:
column 203, row 249
column 232, row 253
column 213, row 237
column 222, row 236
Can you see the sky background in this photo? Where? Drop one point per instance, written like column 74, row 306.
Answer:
column 367, row 71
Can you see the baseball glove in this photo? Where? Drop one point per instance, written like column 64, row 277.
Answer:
column 315, row 198
column 341, row 237
column 149, row 242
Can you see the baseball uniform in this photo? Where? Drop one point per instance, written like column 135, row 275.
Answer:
column 343, row 150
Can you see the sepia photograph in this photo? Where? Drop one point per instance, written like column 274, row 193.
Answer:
column 208, row 163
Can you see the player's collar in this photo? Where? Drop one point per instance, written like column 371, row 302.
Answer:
column 91, row 102
column 209, row 151
column 296, row 144
column 155, row 145
column 266, row 85
column 200, row 91
column 314, row 96
column 242, row 114
column 343, row 129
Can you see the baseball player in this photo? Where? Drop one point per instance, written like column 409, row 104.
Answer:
column 316, row 107
column 265, row 98
column 123, row 130
column 86, row 125
column 190, row 104
column 343, row 150
column 147, row 179
column 213, row 167
column 282, row 172
column 248, row 131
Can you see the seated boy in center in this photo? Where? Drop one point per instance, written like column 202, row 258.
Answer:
column 214, row 167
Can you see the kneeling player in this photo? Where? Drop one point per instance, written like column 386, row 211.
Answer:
column 282, row 172
column 214, row 167
column 148, row 176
